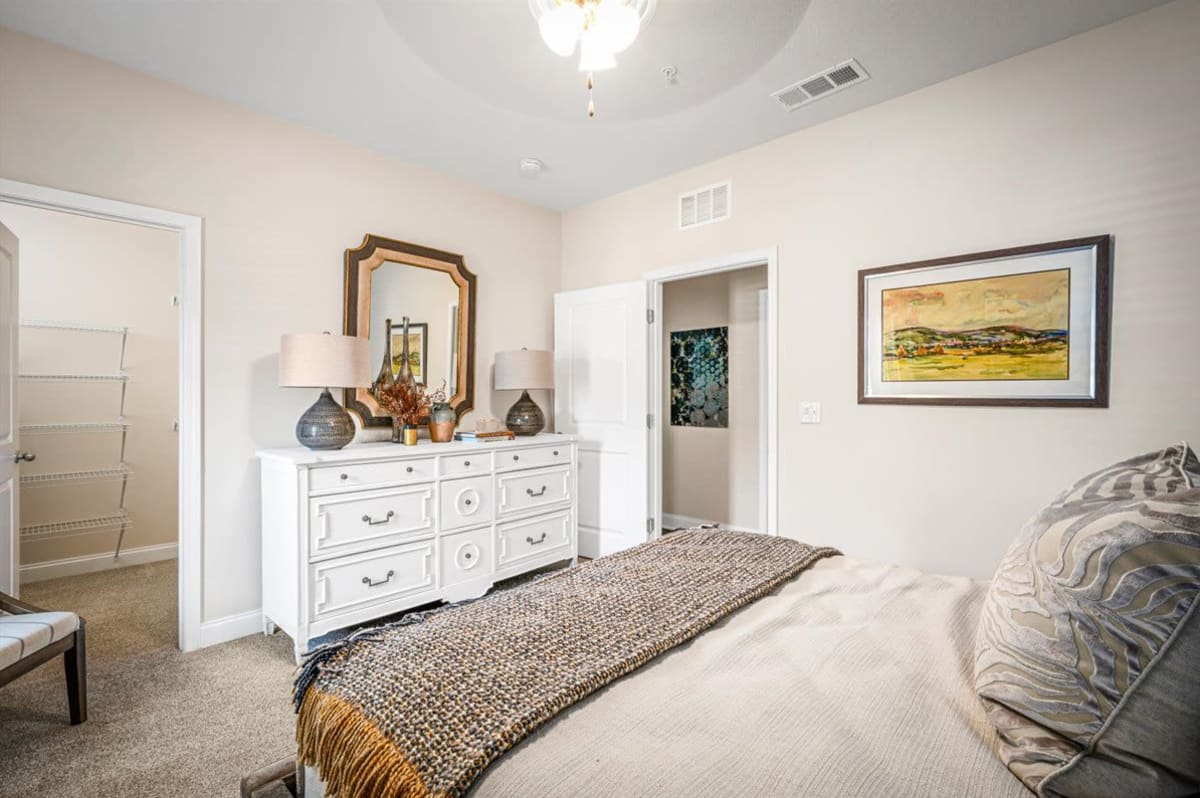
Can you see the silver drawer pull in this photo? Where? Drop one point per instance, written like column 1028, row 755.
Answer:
column 409, row 469
column 369, row 520
column 466, row 463
column 541, row 492
column 516, row 457
column 367, row 580
column 556, row 452
column 467, row 502
column 533, row 542
column 345, row 477
column 466, row 555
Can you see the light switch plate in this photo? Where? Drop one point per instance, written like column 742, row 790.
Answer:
column 810, row 412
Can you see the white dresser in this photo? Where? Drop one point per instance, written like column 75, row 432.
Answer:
column 373, row 529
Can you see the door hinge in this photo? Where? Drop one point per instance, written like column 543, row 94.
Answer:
column 649, row 421
column 650, row 525
column 649, row 315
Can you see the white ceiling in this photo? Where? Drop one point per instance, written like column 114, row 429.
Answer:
column 467, row 87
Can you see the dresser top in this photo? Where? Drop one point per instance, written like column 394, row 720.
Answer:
column 388, row 450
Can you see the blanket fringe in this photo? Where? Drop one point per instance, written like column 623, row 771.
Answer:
column 354, row 758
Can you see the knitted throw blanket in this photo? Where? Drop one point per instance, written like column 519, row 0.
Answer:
column 421, row 706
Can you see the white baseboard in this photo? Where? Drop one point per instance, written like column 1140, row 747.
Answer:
column 231, row 627
column 676, row 521
column 74, row 566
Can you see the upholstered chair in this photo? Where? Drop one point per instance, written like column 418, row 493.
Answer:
column 30, row 637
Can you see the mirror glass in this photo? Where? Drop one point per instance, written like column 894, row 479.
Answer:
column 430, row 301
column 389, row 279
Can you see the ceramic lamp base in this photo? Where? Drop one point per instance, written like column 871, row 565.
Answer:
column 325, row 425
column 525, row 417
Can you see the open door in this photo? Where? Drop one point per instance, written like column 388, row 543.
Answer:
column 601, row 394
column 9, row 437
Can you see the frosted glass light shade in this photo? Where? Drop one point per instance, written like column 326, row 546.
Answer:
column 524, row 369
column 560, row 28
column 320, row 360
column 615, row 26
column 593, row 57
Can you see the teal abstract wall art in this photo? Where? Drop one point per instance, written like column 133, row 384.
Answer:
column 700, row 378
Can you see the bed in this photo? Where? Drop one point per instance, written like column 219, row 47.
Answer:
column 853, row 678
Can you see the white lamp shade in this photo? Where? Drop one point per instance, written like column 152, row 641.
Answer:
column 524, row 369
column 320, row 360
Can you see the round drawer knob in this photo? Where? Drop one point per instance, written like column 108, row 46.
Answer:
column 466, row 463
column 516, row 457
column 467, row 502
column 556, row 452
column 409, row 469
column 345, row 476
column 466, row 555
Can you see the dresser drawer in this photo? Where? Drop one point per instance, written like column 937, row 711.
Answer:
column 466, row 502
column 345, row 523
column 465, row 464
column 377, row 577
column 531, row 490
column 467, row 557
column 534, row 457
column 357, row 476
column 533, row 539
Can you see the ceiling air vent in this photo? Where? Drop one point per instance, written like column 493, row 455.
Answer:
column 820, row 85
column 702, row 206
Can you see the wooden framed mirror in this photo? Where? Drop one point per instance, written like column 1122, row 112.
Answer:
column 389, row 279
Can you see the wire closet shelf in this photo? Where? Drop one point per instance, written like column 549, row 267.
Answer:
column 119, row 472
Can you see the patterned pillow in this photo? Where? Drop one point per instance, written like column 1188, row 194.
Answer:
column 1089, row 639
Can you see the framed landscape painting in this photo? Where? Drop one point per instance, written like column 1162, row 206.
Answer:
column 1025, row 327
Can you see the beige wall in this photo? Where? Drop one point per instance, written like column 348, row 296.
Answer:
column 89, row 271
column 1095, row 134
column 280, row 205
column 711, row 473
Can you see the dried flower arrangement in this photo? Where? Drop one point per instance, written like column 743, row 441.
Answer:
column 405, row 402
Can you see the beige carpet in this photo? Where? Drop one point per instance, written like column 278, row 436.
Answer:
column 161, row 723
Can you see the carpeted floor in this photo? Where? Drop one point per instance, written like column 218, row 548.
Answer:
column 161, row 723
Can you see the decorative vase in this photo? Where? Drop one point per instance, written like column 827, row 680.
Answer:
column 442, row 420
column 405, row 375
column 385, row 379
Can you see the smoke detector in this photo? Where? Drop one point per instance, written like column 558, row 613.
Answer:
column 822, row 84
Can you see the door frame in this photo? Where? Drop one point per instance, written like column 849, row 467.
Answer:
column 654, row 287
column 191, row 346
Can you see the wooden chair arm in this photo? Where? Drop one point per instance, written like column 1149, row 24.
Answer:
column 16, row 606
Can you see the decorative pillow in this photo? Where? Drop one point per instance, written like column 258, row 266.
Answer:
column 1089, row 642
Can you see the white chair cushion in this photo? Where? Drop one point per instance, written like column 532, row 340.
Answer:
column 22, row 635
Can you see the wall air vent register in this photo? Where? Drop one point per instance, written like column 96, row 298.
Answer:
column 705, row 205
column 822, row 84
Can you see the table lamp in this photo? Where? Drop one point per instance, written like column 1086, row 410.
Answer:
column 525, row 370
column 321, row 360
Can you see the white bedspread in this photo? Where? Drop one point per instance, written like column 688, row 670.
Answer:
column 851, row 680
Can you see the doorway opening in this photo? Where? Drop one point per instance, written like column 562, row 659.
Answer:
column 97, row 402
column 107, row 390
column 712, row 384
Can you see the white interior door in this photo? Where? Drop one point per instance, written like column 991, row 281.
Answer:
column 601, row 341
column 9, row 438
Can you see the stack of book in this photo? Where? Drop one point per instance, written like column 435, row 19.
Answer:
column 484, row 437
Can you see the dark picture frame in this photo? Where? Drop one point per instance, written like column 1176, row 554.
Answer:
column 1090, row 258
